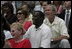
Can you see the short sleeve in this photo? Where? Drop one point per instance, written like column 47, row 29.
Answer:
column 63, row 29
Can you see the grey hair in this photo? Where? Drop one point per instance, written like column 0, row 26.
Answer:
column 53, row 7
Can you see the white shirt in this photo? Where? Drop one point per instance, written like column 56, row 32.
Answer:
column 40, row 37
column 7, row 34
column 58, row 27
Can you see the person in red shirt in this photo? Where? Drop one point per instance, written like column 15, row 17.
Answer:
column 22, row 18
column 18, row 41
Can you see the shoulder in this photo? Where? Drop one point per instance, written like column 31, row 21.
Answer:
column 60, row 20
column 28, row 22
column 31, row 27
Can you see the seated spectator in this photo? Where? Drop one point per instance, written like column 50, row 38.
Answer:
column 26, row 7
column 4, row 29
column 17, row 40
column 58, row 28
column 7, row 12
column 66, row 16
column 59, row 6
column 22, row 15
column 39, row 34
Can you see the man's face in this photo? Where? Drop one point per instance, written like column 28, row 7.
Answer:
column 36, row 19
column 49, row 13
column 67, row 4
column 48, row 10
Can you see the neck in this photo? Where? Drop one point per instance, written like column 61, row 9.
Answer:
column 37, row 26
column 51, row 19
column 68, row 8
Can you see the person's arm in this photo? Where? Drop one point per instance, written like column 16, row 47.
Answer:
column 27, row 34
column 60, row 38
column 63, row 31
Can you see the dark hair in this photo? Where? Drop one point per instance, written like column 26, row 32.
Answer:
column 48, row 2
column 8, row 5
column 58, row 3
column 23, row 12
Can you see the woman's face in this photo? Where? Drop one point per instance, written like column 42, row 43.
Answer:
column 20, row 16
column 15, row 32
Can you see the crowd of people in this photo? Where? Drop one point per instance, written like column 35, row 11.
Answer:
column 36, row 24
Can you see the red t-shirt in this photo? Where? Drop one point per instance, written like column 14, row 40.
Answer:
column 26, row 25
column 23, row 44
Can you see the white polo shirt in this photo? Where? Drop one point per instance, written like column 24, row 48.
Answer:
column 40, row 37
column 58, row 27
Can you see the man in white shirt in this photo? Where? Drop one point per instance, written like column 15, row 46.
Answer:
column 39, row 33
column 58, row 28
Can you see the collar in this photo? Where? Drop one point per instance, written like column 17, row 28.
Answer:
column 54, row 22
column 69, row 10
column 40, row 27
